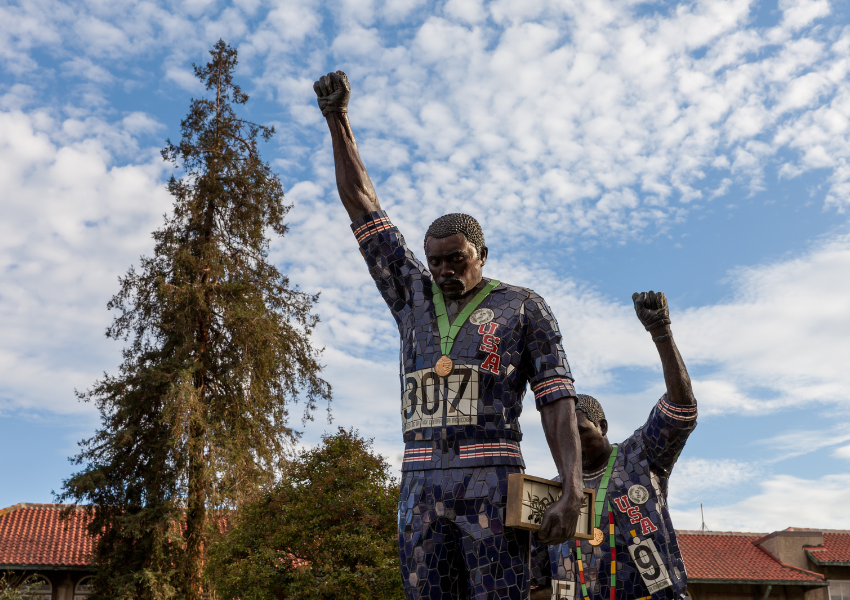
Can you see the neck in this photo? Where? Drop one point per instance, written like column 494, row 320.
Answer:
column 601, row 459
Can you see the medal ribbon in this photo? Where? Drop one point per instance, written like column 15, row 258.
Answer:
column 602, row 494
column 601, row 498
column 449, row 333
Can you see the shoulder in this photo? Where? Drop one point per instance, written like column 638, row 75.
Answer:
column 633, row 445
column 516, row 292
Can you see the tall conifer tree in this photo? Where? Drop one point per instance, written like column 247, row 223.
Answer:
column 197, row 418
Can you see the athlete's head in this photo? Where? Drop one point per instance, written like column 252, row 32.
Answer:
column 592, row 430
column 454, row 247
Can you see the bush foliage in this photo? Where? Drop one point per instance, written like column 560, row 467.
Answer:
column 328, row 530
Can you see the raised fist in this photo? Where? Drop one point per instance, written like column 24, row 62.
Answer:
column 651, row 309
column 333, row 91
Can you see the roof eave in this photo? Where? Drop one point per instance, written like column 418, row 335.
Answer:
column 761, row 582
column 827, row 563
column 50, row 567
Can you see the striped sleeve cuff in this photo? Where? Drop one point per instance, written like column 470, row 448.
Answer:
column 371, row 224
column 551, row 389
column 676, row 412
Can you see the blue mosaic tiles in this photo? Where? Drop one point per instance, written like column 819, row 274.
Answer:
column 453, row 542
column 461, row 431
column 648, row 560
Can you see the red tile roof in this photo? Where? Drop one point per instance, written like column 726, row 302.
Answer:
column 835, row 549
column 35, row 534
column 725, row 556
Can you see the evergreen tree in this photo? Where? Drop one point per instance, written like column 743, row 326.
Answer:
column 196, row 421
column 327, row 531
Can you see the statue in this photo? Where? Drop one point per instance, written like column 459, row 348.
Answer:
column 630, row 480
column 469, row 347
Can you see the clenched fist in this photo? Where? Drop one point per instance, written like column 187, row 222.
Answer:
column 651, row 309
column 333, row 91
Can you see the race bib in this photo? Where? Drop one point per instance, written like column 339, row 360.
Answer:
column 429, row 400
column 651, row 569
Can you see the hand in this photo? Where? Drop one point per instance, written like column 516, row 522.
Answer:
column 560, row 520
column 333, row 91
column 651, row 309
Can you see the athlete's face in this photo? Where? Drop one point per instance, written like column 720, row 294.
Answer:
column 593, row 441
column 454, row 264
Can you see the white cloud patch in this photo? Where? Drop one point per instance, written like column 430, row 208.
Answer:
column 783, row 331
column 843, row 452
column 73, row 221
column 596, row 117
column 781, row 501
column 694, row 479
column 600, row 115
column 799, row 442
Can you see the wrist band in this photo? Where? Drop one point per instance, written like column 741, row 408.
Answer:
column 661, row 338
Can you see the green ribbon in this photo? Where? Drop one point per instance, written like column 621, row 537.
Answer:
column 603, row 486
column 598, row 505
column 448, row 333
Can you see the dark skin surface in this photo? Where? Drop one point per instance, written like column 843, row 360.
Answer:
column 455, row 265
column 653, row 313
column 457, row 269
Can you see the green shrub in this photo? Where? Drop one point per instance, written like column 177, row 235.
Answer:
column 328, row 531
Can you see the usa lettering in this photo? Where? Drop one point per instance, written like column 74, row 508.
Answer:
column 622, row 503
column 488, row 328
column 490, row 344
column 633, row 512
column 646, row 526
column 635, row 516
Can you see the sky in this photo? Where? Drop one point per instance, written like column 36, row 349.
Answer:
column 697, row 148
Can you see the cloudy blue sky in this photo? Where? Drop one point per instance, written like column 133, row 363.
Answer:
column 699, row 148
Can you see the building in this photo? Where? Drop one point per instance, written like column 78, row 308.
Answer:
column 34, row 540
column 792, row 564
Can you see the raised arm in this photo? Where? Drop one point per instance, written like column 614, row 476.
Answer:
column 352, row 181
column 651, row 309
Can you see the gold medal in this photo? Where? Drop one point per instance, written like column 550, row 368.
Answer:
column 598, row 537
column 444, row 366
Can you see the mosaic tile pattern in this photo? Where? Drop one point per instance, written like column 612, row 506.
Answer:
column 648, row 560
column 510, row 341
column 452, row 540
column 462, row 432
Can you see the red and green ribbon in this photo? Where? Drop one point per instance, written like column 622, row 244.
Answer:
column 601, row 498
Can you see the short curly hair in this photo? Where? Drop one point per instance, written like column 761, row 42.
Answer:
column 452, row 223
column 590, row 407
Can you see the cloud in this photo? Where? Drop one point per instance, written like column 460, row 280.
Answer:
column 603, row 115
column 696, row 478
column 799, row 442
column 782, row 331
column 545, row 122
column 73, row 222
column 781, row 501
column 843, row 452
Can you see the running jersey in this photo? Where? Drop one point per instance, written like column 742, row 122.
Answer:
column 649, row 562
column 471, row 417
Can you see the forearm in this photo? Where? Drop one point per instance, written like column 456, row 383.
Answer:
column 559, row 426
column 352, row 181
column 676, row 378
